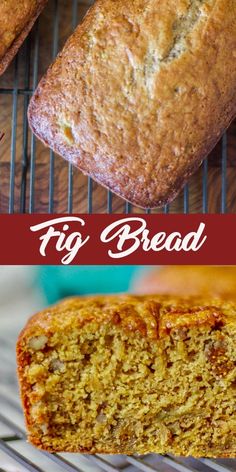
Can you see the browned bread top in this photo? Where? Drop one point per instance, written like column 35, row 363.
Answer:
column 16, row 19
column 141, row 93
column 153, row 316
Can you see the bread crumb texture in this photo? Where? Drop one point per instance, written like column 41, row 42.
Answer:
column 130, row 374
column 141, row 93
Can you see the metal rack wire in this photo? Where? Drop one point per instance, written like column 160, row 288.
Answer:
column 33, row 179
column 14, row 448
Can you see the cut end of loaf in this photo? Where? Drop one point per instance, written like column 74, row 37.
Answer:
column 99, row 387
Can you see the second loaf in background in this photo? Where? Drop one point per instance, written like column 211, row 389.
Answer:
column 210, row 281
column 16, row 20
column 141, row 93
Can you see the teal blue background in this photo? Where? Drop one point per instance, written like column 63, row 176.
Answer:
column 59, row 281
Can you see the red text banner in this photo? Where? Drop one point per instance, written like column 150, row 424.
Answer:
column 117, row 239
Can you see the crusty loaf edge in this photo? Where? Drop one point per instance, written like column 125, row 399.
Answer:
column 136, row 195
column 15, row 46
column 139, row 198
column 45, row 314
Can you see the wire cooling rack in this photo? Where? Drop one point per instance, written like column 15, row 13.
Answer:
column 16, row 455
column 34, row 179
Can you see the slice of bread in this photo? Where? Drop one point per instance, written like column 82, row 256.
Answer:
column 129, row 374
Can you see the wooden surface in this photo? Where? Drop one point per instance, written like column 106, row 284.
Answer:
column 29, row 163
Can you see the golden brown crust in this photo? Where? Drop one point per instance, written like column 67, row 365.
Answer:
column 16, row 22
column 155, row 318
column 152, row 315
column 139, row 95
column 219, row 454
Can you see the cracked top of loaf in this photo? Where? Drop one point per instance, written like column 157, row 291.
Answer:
column 153, row 316
column 141, row 93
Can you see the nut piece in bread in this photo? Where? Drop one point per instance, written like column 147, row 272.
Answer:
column 126, row 374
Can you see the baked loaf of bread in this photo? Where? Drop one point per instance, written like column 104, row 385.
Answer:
column 16, row 20
column 213, row 281
column 141, row 93
column 131, row 374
